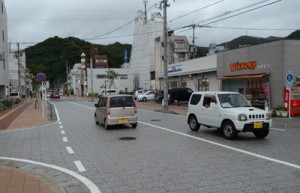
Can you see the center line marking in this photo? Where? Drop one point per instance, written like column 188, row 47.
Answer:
column 61, row 127
column 70, row 150
column 79, row 166
column 65, row 139
column 62, row 132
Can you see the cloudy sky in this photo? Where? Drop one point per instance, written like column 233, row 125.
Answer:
column 33, row 21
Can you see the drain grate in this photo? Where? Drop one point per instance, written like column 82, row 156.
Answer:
column 127, row 138
column 155, row 120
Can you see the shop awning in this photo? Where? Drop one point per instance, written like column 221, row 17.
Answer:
column 244, row 76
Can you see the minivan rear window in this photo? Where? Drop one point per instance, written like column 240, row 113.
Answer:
column 121, row 101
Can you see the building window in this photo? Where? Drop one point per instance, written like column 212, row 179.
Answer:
column 101, row 76
column 152, row 75
column 203, row 84
column 181, row 57
column 182, row 84
column 173, row 84
column 123, row 76
column 101, row 60
column 180, row 45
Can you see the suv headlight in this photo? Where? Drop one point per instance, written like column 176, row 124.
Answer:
column 242, row 117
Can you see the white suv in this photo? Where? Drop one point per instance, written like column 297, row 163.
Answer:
column 228, row 111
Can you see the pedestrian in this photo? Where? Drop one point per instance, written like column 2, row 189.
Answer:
column 36, row 104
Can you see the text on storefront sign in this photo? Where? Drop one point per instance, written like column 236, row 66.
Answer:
column 243, row 65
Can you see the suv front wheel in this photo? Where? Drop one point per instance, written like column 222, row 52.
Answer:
column 229, row 130
column 261, row 133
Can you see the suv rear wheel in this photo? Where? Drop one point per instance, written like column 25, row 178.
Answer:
column 106, row 126
column 193, row 123
column 229, row 130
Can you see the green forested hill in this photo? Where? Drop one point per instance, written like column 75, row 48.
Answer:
column 53, row 55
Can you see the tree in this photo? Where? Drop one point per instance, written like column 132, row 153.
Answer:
column 111, row 76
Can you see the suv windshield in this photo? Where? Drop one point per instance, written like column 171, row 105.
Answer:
column 233, row 100
column 121, row 101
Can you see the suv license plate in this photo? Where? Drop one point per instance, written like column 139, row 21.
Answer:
column 123, row 120
column 258, row 125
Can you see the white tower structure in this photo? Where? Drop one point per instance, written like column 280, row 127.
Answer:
column 142, row 59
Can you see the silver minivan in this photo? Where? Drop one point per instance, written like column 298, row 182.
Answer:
column 116, row 110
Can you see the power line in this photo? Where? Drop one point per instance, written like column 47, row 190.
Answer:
column 240, row 12
column 196, row 10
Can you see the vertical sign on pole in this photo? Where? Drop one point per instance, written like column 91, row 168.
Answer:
column 289, row 83
column 41, row 77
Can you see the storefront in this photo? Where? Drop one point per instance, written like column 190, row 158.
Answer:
column 259, row 72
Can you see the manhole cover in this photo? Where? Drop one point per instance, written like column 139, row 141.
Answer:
column 155, row 120
column 127, row 138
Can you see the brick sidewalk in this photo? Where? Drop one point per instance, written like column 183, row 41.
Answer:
column 30, row 116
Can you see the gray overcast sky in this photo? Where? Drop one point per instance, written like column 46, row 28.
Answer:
column 33, row 21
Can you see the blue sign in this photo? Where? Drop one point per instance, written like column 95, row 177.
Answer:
column 41, row 77
column 289, row 83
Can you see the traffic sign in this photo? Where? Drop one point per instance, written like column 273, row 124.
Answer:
column 289, row 81
column 41, row 77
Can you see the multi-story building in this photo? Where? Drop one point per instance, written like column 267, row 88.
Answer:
column 178, row 51
column 4, row 70
column 18, row 73
column 142, row 59
column 147, row 56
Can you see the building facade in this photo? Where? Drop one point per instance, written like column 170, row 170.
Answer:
column 199, row 74
column 259, row 72
column 19, row 78
column 178, row 51
column 143, row 51
column 4, row 69
column 97, row 80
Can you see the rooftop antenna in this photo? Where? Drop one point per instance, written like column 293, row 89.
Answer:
column 145, row 3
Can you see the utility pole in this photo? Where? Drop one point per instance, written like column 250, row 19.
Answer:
column 19, row 73
column 165, row 104
column 92, row 82
column 194, row 48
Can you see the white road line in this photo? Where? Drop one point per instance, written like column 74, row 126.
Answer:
column 59, row 123
column 70, row 150
column 83, row 106
column 62, row 132
column 89, row 184
column 79, row 166
column 65, row 139
column 278, row 129
column 61, row 127
column 227, row 147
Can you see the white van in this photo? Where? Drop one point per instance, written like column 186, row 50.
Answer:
column 15, row 97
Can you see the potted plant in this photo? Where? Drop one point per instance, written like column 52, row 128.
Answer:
column 278, row 110
column 284, row 112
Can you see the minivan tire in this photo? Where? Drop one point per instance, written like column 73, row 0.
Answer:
column 134, row 125
column 193, row 123
column 106, row 126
